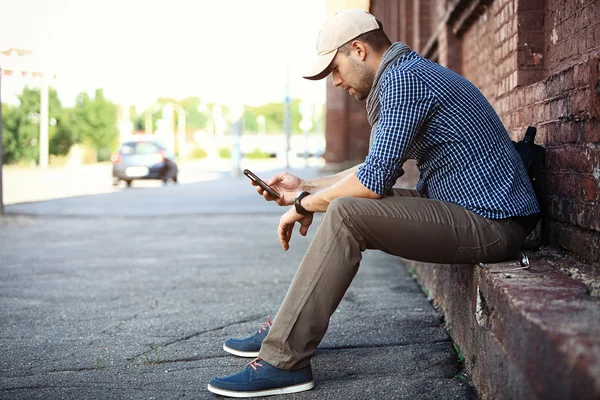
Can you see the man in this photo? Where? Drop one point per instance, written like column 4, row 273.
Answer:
column 473, row 203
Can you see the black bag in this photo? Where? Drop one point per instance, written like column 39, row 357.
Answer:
column 534, row 160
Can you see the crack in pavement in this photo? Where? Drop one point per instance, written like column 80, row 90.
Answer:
column 192, row 335
column 82, row 369
column 117, row 325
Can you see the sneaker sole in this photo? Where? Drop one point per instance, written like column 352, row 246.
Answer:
column 247, row 354
column 267, row 392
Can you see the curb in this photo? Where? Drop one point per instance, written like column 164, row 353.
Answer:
column 532, row 333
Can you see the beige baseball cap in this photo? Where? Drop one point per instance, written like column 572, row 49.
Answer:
column 339, row 29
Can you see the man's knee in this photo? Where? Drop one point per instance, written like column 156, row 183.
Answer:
column 341, row 207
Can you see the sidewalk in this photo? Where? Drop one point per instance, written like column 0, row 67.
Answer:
column 25, row 184
column 138, row 308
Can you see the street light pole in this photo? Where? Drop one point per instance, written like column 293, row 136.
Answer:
column 181, row 139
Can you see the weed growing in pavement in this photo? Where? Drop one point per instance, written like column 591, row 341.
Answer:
column 99, row 363
column 459, row 353
column 152, row 357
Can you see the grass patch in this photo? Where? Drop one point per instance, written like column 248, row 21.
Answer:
column 196, row 153
column 152, row 357
column 225, row 152
column 257, row 154
column 459, row 354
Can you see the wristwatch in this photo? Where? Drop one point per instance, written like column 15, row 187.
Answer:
column 297, row 203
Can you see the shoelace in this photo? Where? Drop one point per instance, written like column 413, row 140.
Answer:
column 265, row 325
column 255, row 363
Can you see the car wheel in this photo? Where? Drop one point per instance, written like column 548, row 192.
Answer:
column 115, row 181
column 174, row 179
column 128, row 182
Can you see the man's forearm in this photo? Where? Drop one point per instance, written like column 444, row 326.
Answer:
column 349, row 186
column 316, row 184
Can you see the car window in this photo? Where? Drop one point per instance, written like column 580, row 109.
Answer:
column 139, row 148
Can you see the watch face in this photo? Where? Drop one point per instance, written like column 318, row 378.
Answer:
column 299, row 209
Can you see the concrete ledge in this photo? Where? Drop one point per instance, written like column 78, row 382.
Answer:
column 524, row 334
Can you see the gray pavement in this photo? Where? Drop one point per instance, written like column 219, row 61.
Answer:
column 130, row 295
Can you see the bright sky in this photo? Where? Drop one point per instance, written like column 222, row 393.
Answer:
column 228, row 51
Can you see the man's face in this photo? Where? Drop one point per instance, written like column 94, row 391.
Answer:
column 352, row 75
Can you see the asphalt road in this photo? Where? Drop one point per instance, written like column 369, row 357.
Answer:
column 130, row 295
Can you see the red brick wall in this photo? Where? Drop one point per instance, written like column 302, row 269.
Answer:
column 556, row 89
column 544, row 72
column 572, row 33
column 537, row 62
column 478, row 58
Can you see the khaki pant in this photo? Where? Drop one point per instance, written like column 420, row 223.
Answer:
column 406, row 225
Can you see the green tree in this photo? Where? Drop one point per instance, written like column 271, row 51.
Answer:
column 21, row 125
column 95, row 123
column 10, row 139
column 250, row 123
column 195, row 118
column 64, row 135
column 274, row 114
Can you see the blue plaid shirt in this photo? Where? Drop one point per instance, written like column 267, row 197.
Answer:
column 463, row 152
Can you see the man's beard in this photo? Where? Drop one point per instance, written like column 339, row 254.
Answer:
column 364, row 80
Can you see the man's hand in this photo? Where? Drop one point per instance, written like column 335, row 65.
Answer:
column 287, row 185
column 286, row 226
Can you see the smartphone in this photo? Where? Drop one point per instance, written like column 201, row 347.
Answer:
column 261, row 183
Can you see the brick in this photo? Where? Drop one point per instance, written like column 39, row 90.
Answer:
column 582, row 160
column 528, row 95
column 561, row 133
column 520, row 96
column 591, row 132
column 531, row 20
column 542, row 133
column 578, row 187
column 560, row 83
column 559, row 108
column 582, row 214
column 540, row 92
column 529, row 5
column 529, row 115
column 581, row 75
column 538, row 110
column 580, row 103
column 583, row 244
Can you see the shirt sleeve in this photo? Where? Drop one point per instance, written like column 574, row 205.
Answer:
column 406, row 102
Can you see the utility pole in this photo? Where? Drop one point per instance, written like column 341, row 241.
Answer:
column 287, row 116
column 237, row 128
column 44, row 123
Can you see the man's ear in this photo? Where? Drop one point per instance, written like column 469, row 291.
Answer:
column 359, row 49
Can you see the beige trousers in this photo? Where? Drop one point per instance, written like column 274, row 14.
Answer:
column 406, row 225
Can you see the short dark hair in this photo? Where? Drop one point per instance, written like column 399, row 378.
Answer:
column 377, row 39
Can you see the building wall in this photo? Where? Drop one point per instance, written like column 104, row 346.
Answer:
column 346, row 128
column 537, row 62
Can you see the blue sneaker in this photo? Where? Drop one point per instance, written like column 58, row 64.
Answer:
column 262, row 379
column 248, row 347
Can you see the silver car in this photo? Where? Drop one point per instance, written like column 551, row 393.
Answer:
column 143, row 158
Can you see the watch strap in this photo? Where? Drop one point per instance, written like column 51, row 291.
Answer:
column 298, row 203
